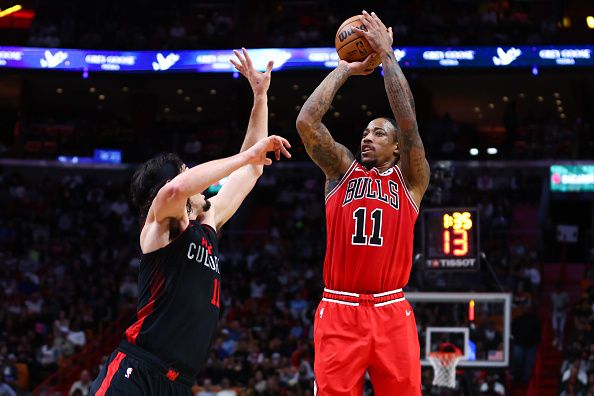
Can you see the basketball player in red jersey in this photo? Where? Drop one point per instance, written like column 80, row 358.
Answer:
column 364, row 322
column 180, row 274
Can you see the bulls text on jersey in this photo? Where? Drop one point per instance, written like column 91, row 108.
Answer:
column 364, row 187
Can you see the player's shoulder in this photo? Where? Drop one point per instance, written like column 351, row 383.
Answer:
column 160, row 236
column 206, row 227
column 333, row 185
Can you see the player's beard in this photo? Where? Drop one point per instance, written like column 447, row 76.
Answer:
column 368, row 164
column 193, row 208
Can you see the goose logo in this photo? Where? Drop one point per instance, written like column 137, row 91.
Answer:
column 164, row 63
column 505, row 58
column 52, row 60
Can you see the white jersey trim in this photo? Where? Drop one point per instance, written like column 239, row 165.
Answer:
column 387, row 293
column 342, row 180
column 341, row 293
column 401, row 177
column 352, row 304
column 389, row 302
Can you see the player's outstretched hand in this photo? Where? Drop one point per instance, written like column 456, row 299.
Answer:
column 379, row 37
column 260, row 82
column 362, row 68
column 272, row 143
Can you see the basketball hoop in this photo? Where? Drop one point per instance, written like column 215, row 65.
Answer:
column 444, row 367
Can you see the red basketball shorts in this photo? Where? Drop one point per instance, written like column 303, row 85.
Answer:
column 355, row 333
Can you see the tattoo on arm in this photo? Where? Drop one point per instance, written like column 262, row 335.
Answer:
column 412, row 151
column 332, row 157
column 330, row 184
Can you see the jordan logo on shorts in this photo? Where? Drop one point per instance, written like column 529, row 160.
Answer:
column 321, row 312
column 129, row 372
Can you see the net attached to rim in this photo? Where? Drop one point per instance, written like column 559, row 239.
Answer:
column 444, row 368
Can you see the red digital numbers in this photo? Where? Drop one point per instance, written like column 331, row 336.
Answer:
column 455, row 233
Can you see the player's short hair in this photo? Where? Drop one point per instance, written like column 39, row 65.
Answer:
column 151, row 176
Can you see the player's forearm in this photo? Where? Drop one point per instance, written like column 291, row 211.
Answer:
column 399, row 94
column 198, row 178
column 258, row 124
column 412, row 152
column 319, row 102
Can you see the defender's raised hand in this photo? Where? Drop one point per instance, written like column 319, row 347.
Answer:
column 379, row 37
column 271, row 143
column 258, row 81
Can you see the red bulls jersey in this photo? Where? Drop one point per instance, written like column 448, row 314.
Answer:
column 370, row 218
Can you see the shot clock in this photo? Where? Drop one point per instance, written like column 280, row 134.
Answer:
column 451, row 238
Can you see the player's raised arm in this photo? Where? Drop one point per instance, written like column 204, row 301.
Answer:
column 171, row 199
column 259, row 82
column 333, row 158
column 242, row 181
column 412, row 153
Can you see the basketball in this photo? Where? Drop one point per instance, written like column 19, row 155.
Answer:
column 351, row 47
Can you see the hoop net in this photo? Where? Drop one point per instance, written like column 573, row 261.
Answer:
column 444, row 368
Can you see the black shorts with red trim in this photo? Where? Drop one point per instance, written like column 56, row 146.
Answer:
column 130, row 370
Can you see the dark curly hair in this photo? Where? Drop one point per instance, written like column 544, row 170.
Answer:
column 150, row 177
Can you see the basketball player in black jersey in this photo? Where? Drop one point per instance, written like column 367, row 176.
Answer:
column 180, row 274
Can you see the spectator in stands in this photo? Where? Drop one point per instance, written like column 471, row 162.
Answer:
column 76, row 336
column 5, row 389
column 226, row 388
column 82, row 387
column 526, row 333
column 492, row 386
column 10, row 372
column 560, row 305
column 207, row 388
column 48, row 355
column 522, row 300
column 574, row 381
column 532, row 274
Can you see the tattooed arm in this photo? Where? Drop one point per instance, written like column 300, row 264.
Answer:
column 333, row 158
column 412, row 152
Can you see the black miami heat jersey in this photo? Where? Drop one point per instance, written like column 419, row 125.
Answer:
column 179, row 298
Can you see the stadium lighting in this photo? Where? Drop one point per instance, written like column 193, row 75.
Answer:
column 474, row 151
column 590, row 21
column 534, row 71
column 11, row 10
column 491, row 151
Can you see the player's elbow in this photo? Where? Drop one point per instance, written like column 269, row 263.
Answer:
column 169, row 198
column 172, row 191
column 304, row 123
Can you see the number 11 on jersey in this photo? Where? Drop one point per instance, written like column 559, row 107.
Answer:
column 216, row 294
column 360, row 237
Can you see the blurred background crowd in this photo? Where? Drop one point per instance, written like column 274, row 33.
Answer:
column 70, row 258
column 69, row 235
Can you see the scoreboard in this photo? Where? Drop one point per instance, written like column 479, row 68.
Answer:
column 451, row 238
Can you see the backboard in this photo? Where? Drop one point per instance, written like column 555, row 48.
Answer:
column 479, row 324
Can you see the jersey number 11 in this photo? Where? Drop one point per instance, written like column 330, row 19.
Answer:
column 216, row 294
column 360, row 237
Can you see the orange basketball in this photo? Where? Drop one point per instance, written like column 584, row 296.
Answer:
column 351, row 47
